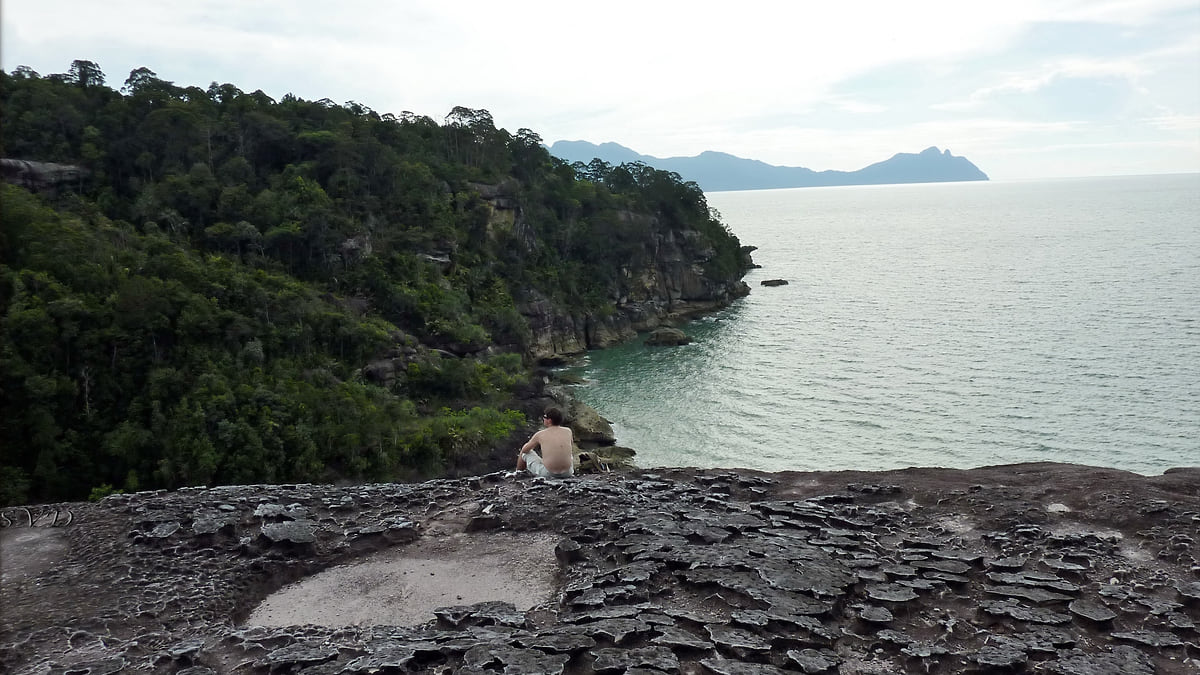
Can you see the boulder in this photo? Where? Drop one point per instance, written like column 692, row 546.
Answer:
column 667, row 337
column 605, row 459
column 590, row 429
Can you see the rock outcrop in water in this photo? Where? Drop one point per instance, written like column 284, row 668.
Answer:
column 1024, row 569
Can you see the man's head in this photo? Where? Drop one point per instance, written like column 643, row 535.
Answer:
column 554, row 416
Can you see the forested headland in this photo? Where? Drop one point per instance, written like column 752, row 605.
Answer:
column 200, row 302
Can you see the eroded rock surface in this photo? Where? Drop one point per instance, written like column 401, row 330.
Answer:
column 669, row 571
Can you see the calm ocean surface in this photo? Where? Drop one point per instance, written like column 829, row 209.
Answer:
column 953, row 324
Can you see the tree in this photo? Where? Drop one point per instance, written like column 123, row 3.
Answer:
column 85, row 74
column 139, row 79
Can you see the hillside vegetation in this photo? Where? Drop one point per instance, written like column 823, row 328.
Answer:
column 200, row 306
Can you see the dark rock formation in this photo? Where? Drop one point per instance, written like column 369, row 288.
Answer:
column 667, row 337
column 41, row 176
column 674, row 571
column 672, row 285
column 590, row 429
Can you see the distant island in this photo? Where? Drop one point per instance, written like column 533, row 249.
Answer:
column 715, row 171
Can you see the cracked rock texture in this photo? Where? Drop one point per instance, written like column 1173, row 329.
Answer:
column 1035, row 568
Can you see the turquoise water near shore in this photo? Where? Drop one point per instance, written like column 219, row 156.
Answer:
column 957, row 325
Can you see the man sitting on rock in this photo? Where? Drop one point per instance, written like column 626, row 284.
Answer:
column 556, row 442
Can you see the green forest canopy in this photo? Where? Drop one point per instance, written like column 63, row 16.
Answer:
column 199, row 308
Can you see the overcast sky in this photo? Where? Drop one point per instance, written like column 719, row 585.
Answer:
column 1024, row 89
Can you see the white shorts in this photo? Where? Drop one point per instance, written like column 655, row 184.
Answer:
column 533, row 463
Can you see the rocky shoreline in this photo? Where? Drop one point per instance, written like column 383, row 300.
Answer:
column 1044, row 568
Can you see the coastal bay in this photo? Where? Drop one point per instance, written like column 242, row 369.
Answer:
column 954, row 325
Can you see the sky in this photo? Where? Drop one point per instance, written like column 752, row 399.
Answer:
column 1024, row 89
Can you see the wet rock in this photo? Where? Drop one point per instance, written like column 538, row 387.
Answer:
column 969, row 557
column 1150, row 638
column 812, row 661
column 947, row 566
column 515, row 660
column 164, row 530
column 899, row 571
column 875, row 614
column 1035, row 595
column 1180, row 621
column 1121, row 661
column 874, row 489
column 1009, row 564
column 817, row 576
column 677, row 637
column 895, row 637
column 618, row 631
column 293, row 531
column 891, row 593
column 924, row 650
column 1118, row 592
column 558, row 643
column 187, row 649
column 1153, row 506
column 667, row 337
column 95, row 667
column 736, row 640
column 1020, row 612
column 211, row 521
column 1001, row 657
column 1189, row 591
column 1060, row 565
column 1034, row 579
column 299, row 655
column 614, row 660
column 391, row 658
column 721, row 666
column 951, row 579
column 485, row 522
column 1158, row 607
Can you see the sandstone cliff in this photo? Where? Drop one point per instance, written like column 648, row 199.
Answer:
column 41, row 176
column 672, row 284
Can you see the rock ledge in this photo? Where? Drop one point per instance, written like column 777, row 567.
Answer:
column 668, row 571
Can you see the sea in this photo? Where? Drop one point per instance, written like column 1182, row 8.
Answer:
column 936, row 325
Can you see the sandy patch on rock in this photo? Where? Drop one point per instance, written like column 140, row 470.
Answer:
column 402, row 586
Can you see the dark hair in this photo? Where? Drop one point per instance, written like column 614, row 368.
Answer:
column 554, row 415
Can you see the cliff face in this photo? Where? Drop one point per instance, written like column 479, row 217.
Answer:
column 672, row 284
column 40, row 176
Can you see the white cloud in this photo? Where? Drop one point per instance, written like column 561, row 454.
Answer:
column 666, row 78
column 1176, row 123
column 1031, row 81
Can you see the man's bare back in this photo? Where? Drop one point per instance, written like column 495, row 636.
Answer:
column 557, row 444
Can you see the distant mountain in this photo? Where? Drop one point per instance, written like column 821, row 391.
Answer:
column 714, row 171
